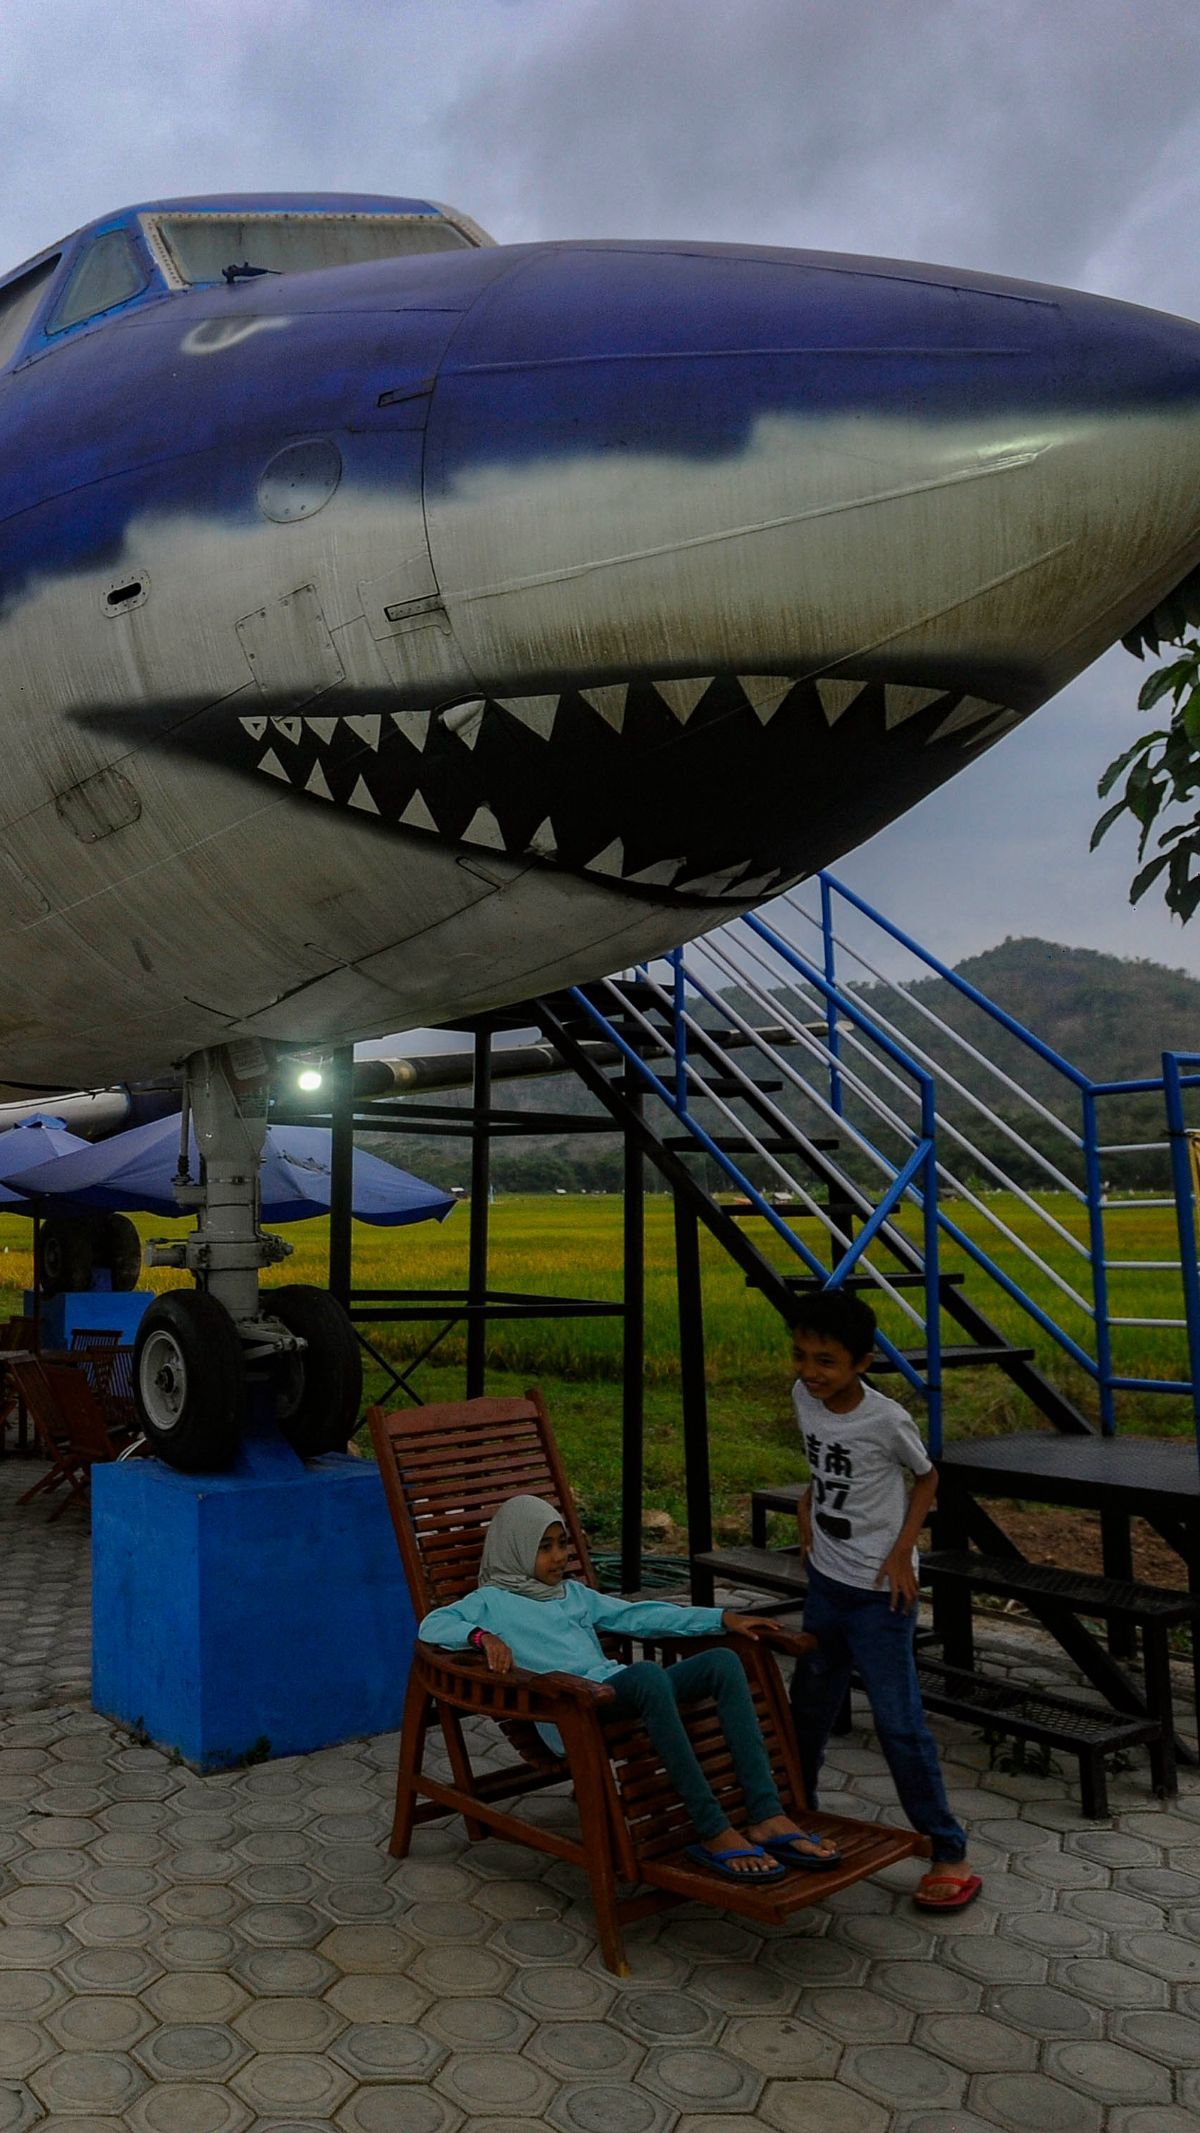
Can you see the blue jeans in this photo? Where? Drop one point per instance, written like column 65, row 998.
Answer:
column 859, row 1629
column 655, row 1693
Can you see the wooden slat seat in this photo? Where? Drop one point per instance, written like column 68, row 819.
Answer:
column 447, row 1470
column 71, row 1425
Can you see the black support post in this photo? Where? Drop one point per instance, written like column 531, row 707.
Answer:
column 694, row 1393
column 481, row 1179
column 341, row 1175
column 633, row 1353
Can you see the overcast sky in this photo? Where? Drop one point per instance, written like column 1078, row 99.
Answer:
column 1057, row 142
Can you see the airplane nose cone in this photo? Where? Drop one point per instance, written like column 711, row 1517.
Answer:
column 660, row 455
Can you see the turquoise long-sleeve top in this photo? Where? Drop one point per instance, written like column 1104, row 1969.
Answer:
column 559, row 1636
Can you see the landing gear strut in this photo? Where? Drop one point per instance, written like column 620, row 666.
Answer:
column 195, row 1349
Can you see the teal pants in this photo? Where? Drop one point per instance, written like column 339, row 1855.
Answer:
column 655, row 1694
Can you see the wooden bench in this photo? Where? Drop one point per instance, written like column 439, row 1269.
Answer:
column 955, row 1574
column 1086, row 1731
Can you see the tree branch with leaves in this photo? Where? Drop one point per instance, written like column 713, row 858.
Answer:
column 1161, row 771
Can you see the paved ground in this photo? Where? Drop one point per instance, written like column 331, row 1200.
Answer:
column 206, row 1955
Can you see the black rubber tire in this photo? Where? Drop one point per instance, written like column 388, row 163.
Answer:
column 320, row 1392
column 119, row 1248
column 189, row 1382
column 65, row 1253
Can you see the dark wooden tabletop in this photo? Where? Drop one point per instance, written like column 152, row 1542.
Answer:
column 1092, row 1471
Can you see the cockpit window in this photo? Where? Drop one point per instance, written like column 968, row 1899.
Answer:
column 109, row 271
column 215, row 247
column 18, row 302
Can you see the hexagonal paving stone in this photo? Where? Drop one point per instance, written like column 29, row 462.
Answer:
column 661, row 2016
column 902, row 2074
column 574, row 2050
column 882, row 1936
column 994, row 1962
column 484, row 2084
column 803, row 2106
column 975, row 2042
column 783, row 2046
column 1108, row 2072
column 926, row 1988
column 547, row 1990
column 699, row 2077
column 1112, row 1984
column 38, row 1906
column 540, row 1940
column 1030, row 2103
column 19, row 2108
column 815, row 1962
column 33, row 1947
column 103, row 2022
column 595, row 2107
column 378, row 1999
column 744, row 1988
column 191, row 2051
column 398, row 2110
column 120, row 1970
column 1172, row 2038
column 388, row 2051
column 368, row 1948
column 1152, row 2118
column 1165, row 1955
column 289, row 2025
column 1045, row 2011
column 277, row 2084
column 284, row 1972
column 194, row 1948
column 1114, row 1910
column 1054, row 1933
column 477, row 2022
column 443, row 1971
column 29, row 1994
column 195, row 1996
column 23, row 2045
column 196, row 2108
column 857, row 2016
column 101, row 2082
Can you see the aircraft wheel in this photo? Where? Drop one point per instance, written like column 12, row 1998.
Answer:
column 119, row 1248
column 66, row 1253
column 190, row 1381
column 318, row 1392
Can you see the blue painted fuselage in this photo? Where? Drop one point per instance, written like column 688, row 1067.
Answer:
column 383, row 641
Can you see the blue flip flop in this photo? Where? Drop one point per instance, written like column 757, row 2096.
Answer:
column 715, row 1862
column 808, row 1862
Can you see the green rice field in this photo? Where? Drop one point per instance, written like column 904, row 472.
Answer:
column 572, row 1247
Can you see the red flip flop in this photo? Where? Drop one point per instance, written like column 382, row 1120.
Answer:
column 965, row 1888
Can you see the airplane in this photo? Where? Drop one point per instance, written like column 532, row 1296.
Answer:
column 395, row 625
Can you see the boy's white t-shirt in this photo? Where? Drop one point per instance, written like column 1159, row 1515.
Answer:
column 859, row 1500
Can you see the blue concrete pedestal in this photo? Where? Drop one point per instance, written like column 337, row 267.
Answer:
column 258, row 1612
column 89, row 1310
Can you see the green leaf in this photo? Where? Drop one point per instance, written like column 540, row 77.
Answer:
column 1105, row 824
column 1162, row 683
column 1141, row 882
column 1114, row 769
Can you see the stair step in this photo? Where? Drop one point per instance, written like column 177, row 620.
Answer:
column 803, row 1283
column 972, row 1358
column 762, row 1569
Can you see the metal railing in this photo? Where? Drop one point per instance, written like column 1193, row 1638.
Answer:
column 1060, row 1264
column 721, row 1106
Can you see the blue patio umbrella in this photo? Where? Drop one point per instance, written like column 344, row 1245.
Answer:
column 38, row 1140
column 134, row 1170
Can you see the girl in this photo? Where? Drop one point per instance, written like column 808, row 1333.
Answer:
column 527, row 1612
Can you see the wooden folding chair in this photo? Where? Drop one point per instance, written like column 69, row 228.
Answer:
column 71, row 1428
column 18, row 1336
column 446, row 1471
column 108, row 1368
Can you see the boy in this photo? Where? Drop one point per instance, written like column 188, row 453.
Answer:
column 859, row 1537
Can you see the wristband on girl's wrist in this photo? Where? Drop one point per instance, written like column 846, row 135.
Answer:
column 475, row 1640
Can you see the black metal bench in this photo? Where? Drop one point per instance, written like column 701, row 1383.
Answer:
column 1086, row 1731
column 955, row 1575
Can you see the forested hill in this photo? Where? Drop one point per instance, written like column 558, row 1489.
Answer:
column 1110, row 1016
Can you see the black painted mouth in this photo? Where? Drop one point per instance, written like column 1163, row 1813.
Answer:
column 718, row 788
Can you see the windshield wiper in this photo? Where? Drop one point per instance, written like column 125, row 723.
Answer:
column 246, row 272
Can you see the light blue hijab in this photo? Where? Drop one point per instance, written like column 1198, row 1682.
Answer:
column 510, row 1549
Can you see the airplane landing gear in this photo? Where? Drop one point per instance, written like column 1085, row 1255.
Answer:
column 195, row 1349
